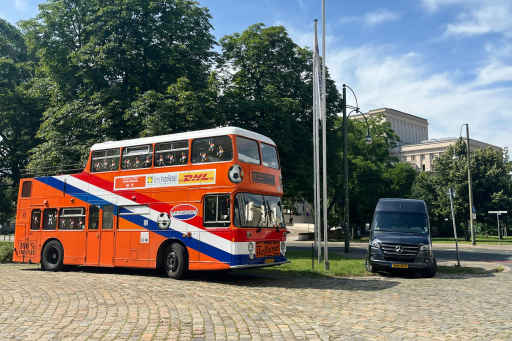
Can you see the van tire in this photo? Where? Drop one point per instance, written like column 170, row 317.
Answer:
column 431, row 270
column 370, row 267
column 52, row 256
column 175, row 261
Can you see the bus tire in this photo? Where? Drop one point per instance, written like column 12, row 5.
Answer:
column 52, row 256
column 175, row 261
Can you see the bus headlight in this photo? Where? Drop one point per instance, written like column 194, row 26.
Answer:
column 251, row 247
column 236, row 174
column 283, row 248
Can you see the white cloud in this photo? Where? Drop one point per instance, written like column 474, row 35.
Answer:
column 494, row 72
column 380, row 16
column 476, row 17
column 404, row 83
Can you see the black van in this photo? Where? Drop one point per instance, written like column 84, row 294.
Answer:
column 400, row 237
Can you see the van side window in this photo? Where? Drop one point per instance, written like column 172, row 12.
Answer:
column 50, row 219
column 35, row 219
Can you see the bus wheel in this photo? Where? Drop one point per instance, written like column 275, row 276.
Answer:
column 175, row 261
column 53, row 254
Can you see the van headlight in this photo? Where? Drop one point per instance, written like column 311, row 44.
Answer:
column 282, row 246
column 425, row 247
column 375, row 244
column 251, row 247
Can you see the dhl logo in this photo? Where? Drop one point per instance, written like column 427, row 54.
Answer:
column 204, row 177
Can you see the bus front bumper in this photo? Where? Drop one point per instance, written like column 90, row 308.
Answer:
column 258, row 265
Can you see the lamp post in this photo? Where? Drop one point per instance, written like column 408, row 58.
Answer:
column 346, row 210
column 471, row 226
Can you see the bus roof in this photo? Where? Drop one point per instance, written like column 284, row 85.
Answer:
column 183, row 136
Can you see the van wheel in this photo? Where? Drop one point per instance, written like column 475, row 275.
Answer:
column 370, row 267
column 175, row 261
column 431, row 270
column 52, row 256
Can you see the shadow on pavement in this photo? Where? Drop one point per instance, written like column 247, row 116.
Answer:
column 283, row 279
column 445, row 272
column 248, row 278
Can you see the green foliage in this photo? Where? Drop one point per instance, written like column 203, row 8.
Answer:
column 103, row 57
column 490, row 182
column 6, row 250
column 266, row 82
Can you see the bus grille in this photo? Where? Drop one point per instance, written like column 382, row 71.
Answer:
column 399, row 252
column 263, row 178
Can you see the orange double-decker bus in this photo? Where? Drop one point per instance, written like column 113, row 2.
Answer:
column 201, row 200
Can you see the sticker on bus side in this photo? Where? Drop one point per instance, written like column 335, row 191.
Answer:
column 170, row 179
column 184, row 212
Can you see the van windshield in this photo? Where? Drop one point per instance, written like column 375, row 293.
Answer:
column 403, row 222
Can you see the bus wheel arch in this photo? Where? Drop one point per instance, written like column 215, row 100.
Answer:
column 175, row 250
column 52, row 255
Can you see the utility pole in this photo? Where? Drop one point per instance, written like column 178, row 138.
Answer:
column 469, row 188
column 324, row 145
column 345, row 173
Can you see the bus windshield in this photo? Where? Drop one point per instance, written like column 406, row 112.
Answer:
column 402, row 222
column 256, row 210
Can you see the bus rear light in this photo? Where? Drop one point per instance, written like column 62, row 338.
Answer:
column 236, row 174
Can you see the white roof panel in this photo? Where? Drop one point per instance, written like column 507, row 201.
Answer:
column 183, row 136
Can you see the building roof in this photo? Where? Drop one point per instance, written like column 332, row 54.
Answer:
column 183, row 136
column 450, row 140
column 397, row 113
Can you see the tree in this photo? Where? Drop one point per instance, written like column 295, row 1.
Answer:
column 21, row 106
column 491, row 187
column 266, row 85
column 373, row 172
column 102, row 55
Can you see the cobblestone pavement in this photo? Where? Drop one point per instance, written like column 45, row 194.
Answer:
column 112, row 304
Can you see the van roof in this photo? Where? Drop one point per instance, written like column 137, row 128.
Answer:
column 400, row 204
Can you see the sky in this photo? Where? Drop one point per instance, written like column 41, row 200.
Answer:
column 449, row 61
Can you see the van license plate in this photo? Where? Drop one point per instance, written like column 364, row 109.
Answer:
column 400, row 266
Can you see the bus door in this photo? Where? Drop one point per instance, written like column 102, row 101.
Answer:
column 107, row 235
column 92, row 249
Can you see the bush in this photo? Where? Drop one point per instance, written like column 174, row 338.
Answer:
column 6, row 250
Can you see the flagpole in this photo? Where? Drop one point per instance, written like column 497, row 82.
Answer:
column 316, row 148
column 324, row 145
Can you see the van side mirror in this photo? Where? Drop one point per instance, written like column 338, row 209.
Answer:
column 367, row 226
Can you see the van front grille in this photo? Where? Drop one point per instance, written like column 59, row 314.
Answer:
column 400, row 252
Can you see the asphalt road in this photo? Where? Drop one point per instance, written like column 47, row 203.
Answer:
column 443, row 253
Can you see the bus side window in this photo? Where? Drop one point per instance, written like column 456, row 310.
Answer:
column 216, row 210
column 72, row 218
column 108, row 217
column 94, row 217
column 212, row 149
column 105, row 160
column 35, row 220
column 50, row 219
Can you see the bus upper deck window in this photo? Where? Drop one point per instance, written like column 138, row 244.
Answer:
column 212, row 149
column 137, row 157
column 26, row 190
column 247, row 150
column 269, row 156
column 105, row 160
column 171, row 153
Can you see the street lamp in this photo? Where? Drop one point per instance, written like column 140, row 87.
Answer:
column 368, row 139
column 473, row 242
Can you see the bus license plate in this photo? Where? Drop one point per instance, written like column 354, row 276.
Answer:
column 269, row 260
column 400, row 266
column 270, row 248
